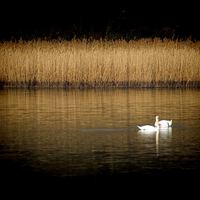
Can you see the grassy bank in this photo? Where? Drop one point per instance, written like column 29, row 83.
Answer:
column 143, row 63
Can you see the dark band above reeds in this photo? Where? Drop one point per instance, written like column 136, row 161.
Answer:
column 98, row 63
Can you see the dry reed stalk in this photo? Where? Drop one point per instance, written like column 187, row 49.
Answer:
column 100, row 63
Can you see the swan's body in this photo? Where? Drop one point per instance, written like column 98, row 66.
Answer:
column 164, row 123
column 149, row 127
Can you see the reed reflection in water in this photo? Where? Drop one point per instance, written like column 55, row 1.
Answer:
column 93, row 133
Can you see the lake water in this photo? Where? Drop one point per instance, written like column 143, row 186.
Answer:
column 93, row 135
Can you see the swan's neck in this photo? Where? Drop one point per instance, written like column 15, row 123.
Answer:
column 157, row 122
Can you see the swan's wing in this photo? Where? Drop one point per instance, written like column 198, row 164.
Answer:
column 165, row 123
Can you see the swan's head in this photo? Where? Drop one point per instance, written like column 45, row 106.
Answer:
column 157, row 118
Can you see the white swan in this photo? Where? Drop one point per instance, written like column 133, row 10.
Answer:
column 149, row 127
column 164, row 123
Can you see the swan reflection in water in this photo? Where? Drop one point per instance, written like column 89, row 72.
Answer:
column 162, row 131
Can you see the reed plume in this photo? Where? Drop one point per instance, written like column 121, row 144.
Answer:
column 98, row 63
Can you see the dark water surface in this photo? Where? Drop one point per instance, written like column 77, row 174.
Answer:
column 91, row 135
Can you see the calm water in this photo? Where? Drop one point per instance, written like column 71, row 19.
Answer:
column 92, row 134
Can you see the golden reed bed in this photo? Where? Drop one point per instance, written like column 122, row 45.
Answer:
column 143, row 63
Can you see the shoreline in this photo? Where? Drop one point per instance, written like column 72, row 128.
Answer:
column 100, row 85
